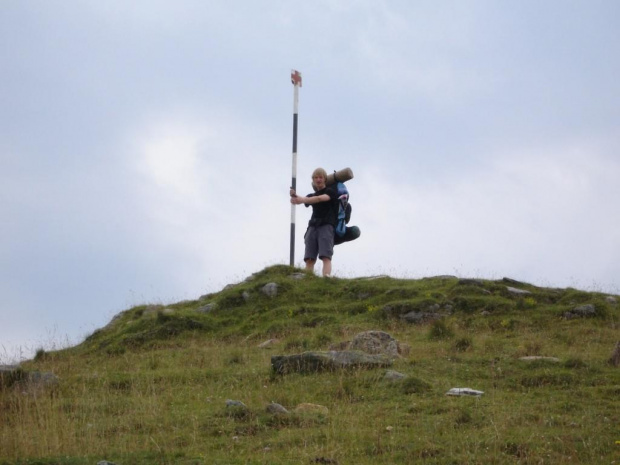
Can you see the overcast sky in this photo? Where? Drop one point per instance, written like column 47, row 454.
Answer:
column 145, row 146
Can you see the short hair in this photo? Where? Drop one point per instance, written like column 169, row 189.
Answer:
column 321, row 172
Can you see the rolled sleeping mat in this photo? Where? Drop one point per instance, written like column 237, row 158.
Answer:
column 352, row 233
column 343, row 175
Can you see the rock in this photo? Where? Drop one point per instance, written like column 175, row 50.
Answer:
column 615, row 356
column 167, row 311
column 276, row 409
column 372, row 278
column 40, row 379
column 236, row 404
column 392, row 375
column 514, row 290
column 532, row 358
column 311, row 408
column 583, row 311
column 464, row 392
column 513, row 282
column 206, row 308
column 268, row 343
column 485, row 313
column 332, row 360
column 105, row 462
column 246, row 296
column 611, row 300
column 270, row 289
column 420, row 317
column 297, row 276
column 375, row 342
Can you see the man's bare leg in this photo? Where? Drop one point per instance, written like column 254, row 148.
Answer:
column 327, row 266
column 310, row 265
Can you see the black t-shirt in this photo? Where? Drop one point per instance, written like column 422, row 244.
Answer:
column 324, row 212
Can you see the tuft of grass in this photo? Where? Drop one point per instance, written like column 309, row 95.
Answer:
column 440, row 329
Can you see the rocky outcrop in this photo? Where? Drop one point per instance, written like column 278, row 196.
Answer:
column 374, row 342
column 309, row 362
column 583, row 311
column 270, row 289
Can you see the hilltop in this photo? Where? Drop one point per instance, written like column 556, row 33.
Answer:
column 152, row 386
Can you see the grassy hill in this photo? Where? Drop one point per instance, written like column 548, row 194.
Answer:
column 151, row 387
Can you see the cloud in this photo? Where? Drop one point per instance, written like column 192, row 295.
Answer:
column 531, row 213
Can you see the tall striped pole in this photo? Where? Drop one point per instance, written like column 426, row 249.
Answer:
column 296, row 80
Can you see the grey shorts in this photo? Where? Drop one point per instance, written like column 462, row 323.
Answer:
column 319, row 241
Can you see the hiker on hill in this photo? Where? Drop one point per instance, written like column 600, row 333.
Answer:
column 319, row 237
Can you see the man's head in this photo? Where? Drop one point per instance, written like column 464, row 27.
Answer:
column 319, row 176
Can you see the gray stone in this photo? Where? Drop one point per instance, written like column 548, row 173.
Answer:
column 235, row 404
column 420, row 317
column 611, row 300
column 513, row 282
column 246, row 296
column 276, row 409
column 533, row 358
column 297, row 276
column 583, row 311
column 105, row 462
column 514, row 290
column 206, row 308
column 270, row 289
column 372, row 278
column 42, row 379
column 392, row 375
column 168, row 311
column 309, row 362
column 464, row 392
column 375, row 342
column 268, row 343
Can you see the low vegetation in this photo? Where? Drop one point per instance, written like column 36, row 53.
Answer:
column 151, row 387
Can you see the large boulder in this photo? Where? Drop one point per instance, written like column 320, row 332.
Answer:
column 375, row 342
column 309, row 362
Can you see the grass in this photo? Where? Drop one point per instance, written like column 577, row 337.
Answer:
column 151, row 387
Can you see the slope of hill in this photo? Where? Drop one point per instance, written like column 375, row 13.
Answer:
column 153, row 385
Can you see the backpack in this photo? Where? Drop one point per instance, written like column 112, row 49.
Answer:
column 344, row 209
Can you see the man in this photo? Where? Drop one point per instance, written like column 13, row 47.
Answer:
column 319, row 237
